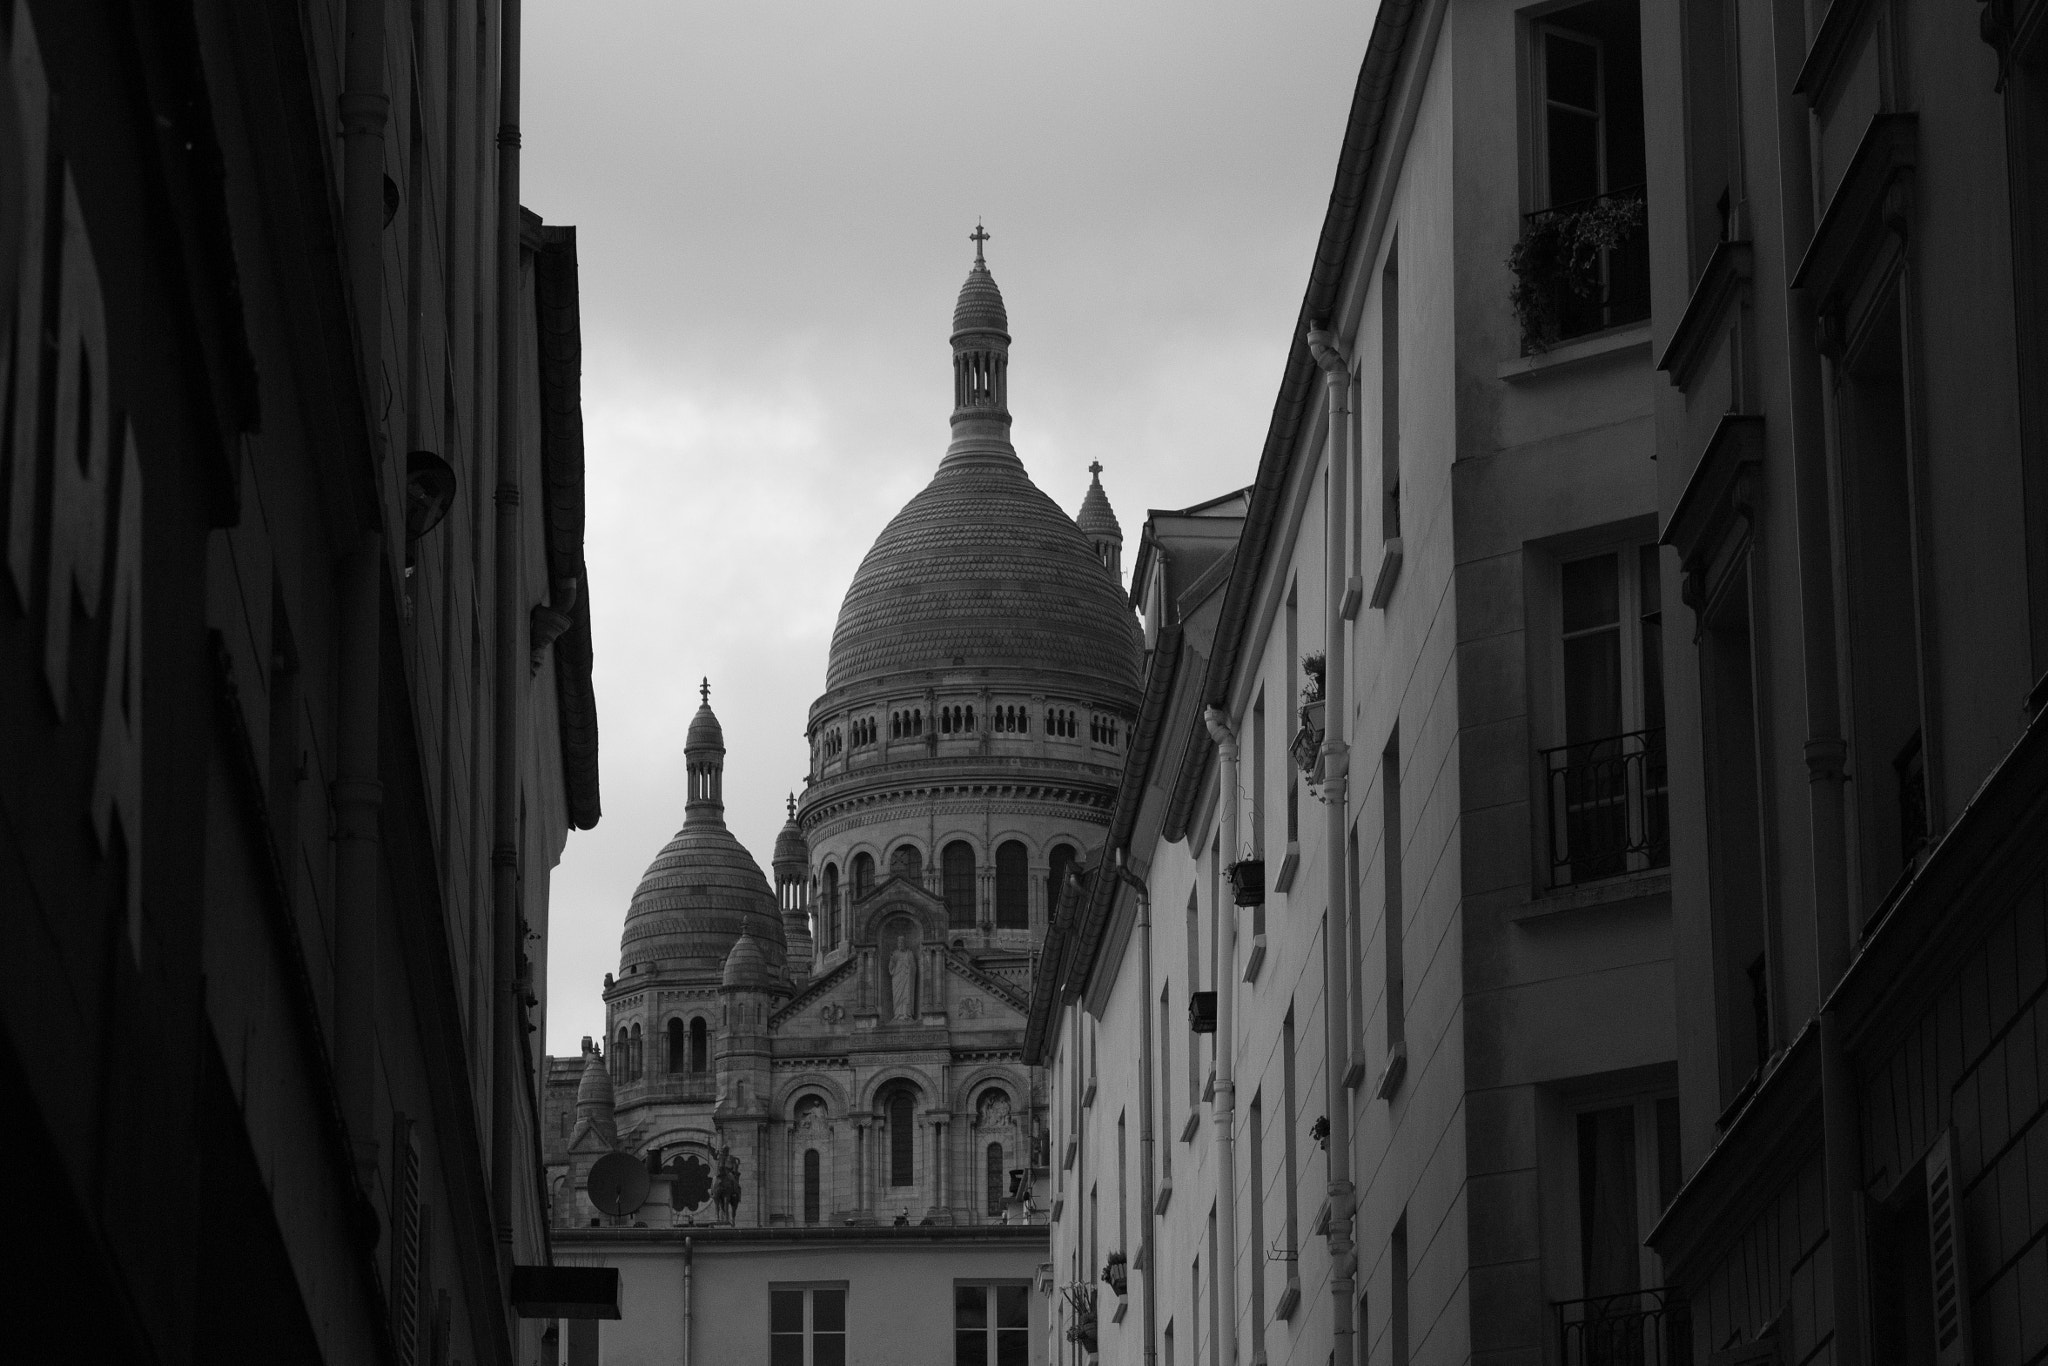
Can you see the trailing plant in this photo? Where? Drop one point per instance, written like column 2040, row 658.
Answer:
column 1561, row 252
column 1312, row 667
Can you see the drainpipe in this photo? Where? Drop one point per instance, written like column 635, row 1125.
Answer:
column 1224, row 1113
column 1145, row 1144
column 1336, row 757
column 688, row 1258
column 507, row 666
column 357, row 794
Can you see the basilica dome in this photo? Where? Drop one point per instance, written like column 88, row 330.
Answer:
column 703, row 891
column 982, row 569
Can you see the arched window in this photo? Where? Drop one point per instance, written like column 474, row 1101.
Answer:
column 902, row 1112
column 906, row 862
column 700, row 1046
column 810, row 1185
column 622, row 1057
column 1056, row 875
column 831, row 890
column 957, row 866
column 1013, row 887
column 863, row 875
column 678, row 1046
column 995, row 1180
column 635, row 1061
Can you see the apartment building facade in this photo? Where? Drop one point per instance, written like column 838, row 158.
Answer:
column 1848, row 275
column 294, row 675
column 1422, row 725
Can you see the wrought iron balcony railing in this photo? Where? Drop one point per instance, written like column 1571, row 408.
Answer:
column 1639, row 1328
column 1608, row 807
column 1582, row 267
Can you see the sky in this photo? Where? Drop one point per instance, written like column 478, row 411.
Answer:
column 772, row 202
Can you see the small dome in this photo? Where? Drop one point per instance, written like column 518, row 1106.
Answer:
column 745, row 966
column 981, row 305
column 1096, row 520
column 792, row 854
column 705, row 732
column 702, row 892
column 596, row 1086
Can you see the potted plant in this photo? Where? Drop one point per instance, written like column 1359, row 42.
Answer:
column 1557, row 261
column 1247, row 881
column 1082, row 1329
column 1307, row 747
column 1116, row 1273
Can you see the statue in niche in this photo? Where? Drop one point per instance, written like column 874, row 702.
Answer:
column 994, row 1110
column 810, row 1117
column 903, row 979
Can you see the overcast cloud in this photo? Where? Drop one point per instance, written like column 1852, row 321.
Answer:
column 772, row 203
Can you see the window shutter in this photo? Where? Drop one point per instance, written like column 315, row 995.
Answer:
column 1945, row 1255
column 405, row 1240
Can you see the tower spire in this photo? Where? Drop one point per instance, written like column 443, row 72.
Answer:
column 981, row 360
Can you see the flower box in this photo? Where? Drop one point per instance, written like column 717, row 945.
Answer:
column 1248, row 882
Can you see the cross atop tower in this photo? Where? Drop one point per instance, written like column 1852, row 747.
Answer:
column 1095, row 468
column 704, row 691
column 792, row 806
column 978, row 236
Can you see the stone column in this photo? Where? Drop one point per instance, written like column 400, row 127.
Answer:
column 938, row 1140
column 860, row 1166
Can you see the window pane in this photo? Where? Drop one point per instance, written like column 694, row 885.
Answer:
column 970, row 1306
column 1592, row 687
column 786, row 1349
column 828, row 1349
column 1573, row 68
column 828, row 1311
column 1012, row 1307
column 1013, row 1348
column 1592, row 593
column 1653, row 640
column 970, row 1349
column 785, row 1311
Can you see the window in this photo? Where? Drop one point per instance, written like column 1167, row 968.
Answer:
column 700, row 1046
column 1165, row 1073
column 1256, row 1137
column 1607, row 789
column 863, row 875
column 992, row 1324
column 1397, row 1291
column 1390, row 394
column 995, row 1189
column 1013, row 886
column 831, row 891
column 678, row 1047
column 810, row 1185
column 1887, row 759
column 635, row 1059
column 1288, row 1118
column 806, row 1325
column 1628, row 1171
column 1735, row 866
column 1215, row 1352
column 1587, row 136
column 1394, row 913
column 1259, row 802
column 1056, row 875
column 1293, row 663
column 1123, row 1219
column 957, row 865
column 902, row 1113
column 907, row 863
column 622, row 1057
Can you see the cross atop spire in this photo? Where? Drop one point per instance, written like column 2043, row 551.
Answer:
column 792, row 806
column 978, row 236
column 1095, row 468
column 704, row 691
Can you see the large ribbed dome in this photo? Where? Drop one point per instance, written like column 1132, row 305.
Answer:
column 983, row 569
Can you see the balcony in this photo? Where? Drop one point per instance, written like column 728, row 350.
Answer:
column 1639, row 1328
column 1608, row 807
column 1580, row 268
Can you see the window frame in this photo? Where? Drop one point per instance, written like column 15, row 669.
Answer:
column 992, row 1328
column 809, row 1333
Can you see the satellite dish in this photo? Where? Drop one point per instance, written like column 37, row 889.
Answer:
column 618, row 1184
